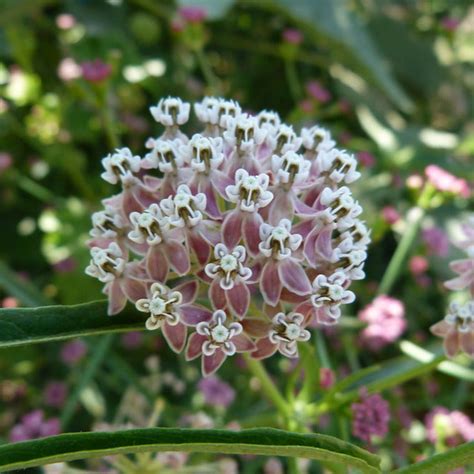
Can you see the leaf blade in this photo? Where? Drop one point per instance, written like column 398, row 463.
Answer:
column 264, row 441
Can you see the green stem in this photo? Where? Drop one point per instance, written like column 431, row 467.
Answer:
column 95, row 361
column 268, row 387
column 209, row 76
column 292, row 78
column 414, row 218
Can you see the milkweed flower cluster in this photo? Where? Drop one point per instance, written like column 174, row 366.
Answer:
column 246, row 214
column 457, row 327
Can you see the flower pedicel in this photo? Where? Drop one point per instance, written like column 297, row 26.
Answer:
column 247, row 215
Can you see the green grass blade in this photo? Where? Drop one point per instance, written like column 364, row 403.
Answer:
column 260, row 441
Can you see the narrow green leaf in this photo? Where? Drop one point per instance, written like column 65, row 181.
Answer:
column 215, row 9
column 461, row 456
column 21, row 326
column 261, row 441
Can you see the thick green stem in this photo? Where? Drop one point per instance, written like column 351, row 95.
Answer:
column 414, row 218
column 268, row 387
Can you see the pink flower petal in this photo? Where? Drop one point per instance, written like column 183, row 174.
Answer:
column 210, row 231
column 281, row 208
column 462, row 266
column 175, row 336
column 188, row 290
column 324, row 243
column 309, row 248
column 451, row 343
column 270, row 284
column 441, row 328
column 238, row 298
column 302, row 208
column 178, row 257
column 211, row 363
column 211, row 203
column 134, row 289
column 231, row 228
column 217, row 295
column 256, row 327
column 294, row 277
column 458, row 283
column 200, row 246
column 265, row 348
column 194, row 348
column 220, row 182
column 117, row 298
column 467, row 342
column 130, row 203
column 194, row 314
column 243, row 343
column 250, row 230
column 157, row 264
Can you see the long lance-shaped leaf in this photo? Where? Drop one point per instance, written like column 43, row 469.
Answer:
column 21, row 326
column 461, row 456
column 261, row 441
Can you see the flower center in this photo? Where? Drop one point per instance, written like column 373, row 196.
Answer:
column 292, row 331
column 220, row 333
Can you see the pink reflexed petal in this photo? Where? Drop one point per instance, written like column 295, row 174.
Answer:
column 462, row 266
column 451, row 343
column 217, row 295
column 303, row 209
column 323, row 316
column 200, row 246
column 144, row 196
column 117, row 298
column 324, row 243
column 134, row 289
column 256, row 327
column 211, row 363
column 220, row 182
column 309, row 248
column 231, row 228
column 265, row 348
column 467, row 342
column 151, row 182
column 270, row 284
column 177, row 256
column 157, row 264
column 194, row 314
column 210, row 231
column 294, row 277
column 281, row 208
column 175, row 336
column 211, row 203
column 441, row 329
column 305, row 309
column 140, row 249
column 243, row 343
column 188, row 290
column 194, row 348
column 250, row 230
column 303, row 228
column 238, row 298
column 271, row 311
column 290, row 297
column 130, row 203
column 458, row 283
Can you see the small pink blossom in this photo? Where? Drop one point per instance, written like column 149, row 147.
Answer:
column 327, row 377
column 33, row 425
column 72, row 352
column 446, row 182
column 132, row 340
column 366, row 159
column 450, row 427
column 318, row 92
column 66, row 265
column 292, row 36
column 390, row 215
column 10, row 302
column 193, row 13
column 370, row 416
column 216, row 392
column 418, row 264
column 450, row 23
column 436, row 240
column 65, row 21
column 385, row 318
column 68, row 69
column 6, row 161
column 306, row 106
column 95, row 70
column 55, row 394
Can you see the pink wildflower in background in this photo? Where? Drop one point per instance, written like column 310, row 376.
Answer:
column 65, row 21
column 95, row 70
column 385, row 318
column 436, row 241
column 72, row 352
column 6, row 161
column 327, row 377
column 418, row 264
column 446, row 182
column 366, row 159
column 55, row 394
column 216, row 392
column 132, row 340
column 390, row 215
column 451, row 427
column 34, row 425
column 318, row 92
column 192, row 13
column 450, row 23
column 370, row 417
column 292, row 36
